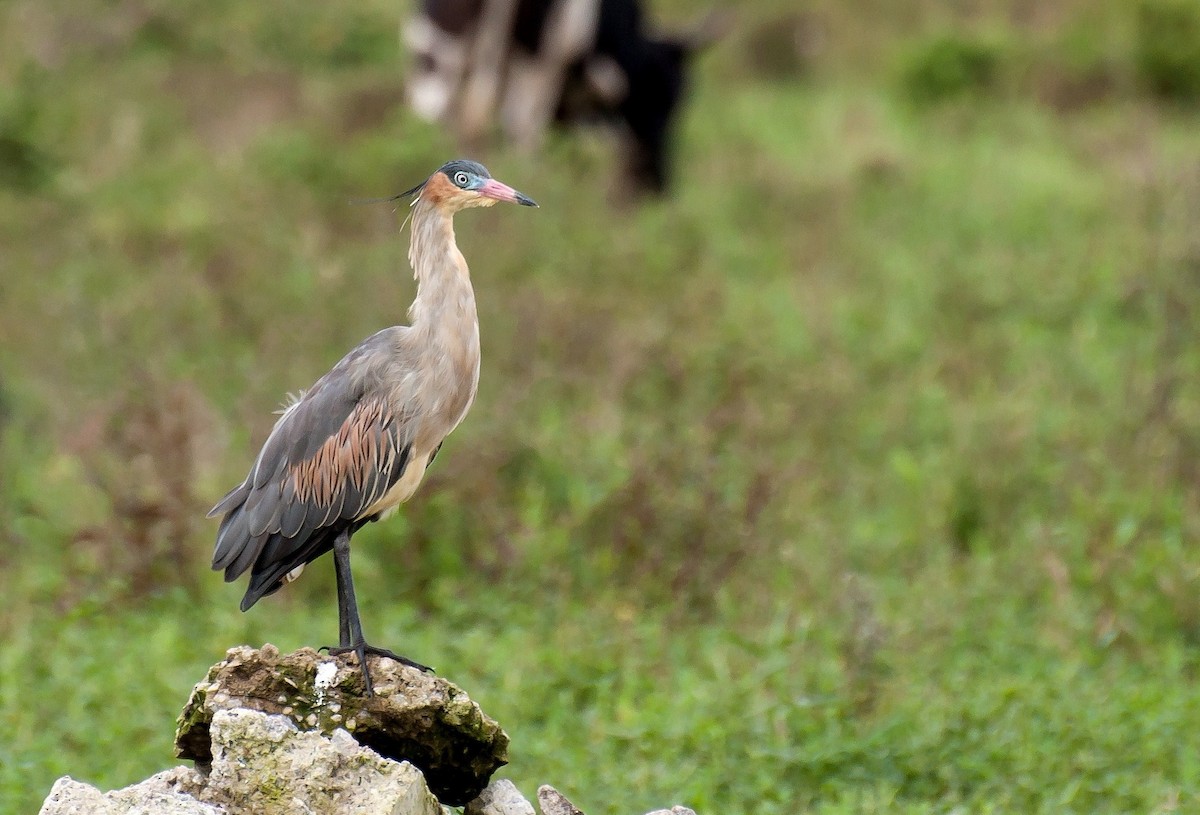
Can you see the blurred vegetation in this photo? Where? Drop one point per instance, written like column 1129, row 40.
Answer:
column 949, row 66
column 861, row 475
column 1169, row 48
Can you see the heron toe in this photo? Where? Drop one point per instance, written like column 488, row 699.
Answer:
column 362, row 649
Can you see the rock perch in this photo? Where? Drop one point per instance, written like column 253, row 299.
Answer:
column 277, row 734
column 414, row 716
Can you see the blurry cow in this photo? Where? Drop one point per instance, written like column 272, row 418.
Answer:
column 529, row 62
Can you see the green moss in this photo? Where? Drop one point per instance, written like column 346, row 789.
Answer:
column 272, row 788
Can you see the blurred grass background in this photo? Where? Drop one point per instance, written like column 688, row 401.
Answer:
column 860, row 475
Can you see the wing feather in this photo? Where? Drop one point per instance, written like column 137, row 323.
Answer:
column 246, row 557
column 262, row 509
column 296, row 512
column 235, row 496
column 333, row 453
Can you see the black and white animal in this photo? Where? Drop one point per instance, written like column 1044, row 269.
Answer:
column 528, row 63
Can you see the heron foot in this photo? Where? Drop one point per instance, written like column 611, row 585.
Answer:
column 362, row 649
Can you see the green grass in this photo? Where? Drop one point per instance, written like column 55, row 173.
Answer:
column 857, row 476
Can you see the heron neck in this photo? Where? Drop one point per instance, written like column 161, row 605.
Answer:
column 445, row 301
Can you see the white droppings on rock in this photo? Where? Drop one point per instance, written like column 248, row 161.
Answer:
column 326, row 674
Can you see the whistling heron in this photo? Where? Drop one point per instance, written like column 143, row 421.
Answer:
column 355, row 445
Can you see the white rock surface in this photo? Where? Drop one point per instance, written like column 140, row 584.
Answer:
column 553, row 802
column 262, row 764
column 154, row 796
column 500, row 797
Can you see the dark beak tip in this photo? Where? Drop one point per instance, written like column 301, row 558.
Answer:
column 526, row 201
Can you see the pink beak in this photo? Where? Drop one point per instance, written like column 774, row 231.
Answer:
column 502, row 192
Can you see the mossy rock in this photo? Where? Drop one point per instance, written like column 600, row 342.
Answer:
column 414, row 716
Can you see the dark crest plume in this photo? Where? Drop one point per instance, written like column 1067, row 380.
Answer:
column 449, row 168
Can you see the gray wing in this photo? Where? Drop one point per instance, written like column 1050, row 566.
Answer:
column 331, row 455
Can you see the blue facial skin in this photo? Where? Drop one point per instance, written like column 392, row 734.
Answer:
column 467, row 175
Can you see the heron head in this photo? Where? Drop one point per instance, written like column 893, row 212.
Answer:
column 461, row 183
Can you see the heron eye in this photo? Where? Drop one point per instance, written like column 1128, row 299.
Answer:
column 461, row 179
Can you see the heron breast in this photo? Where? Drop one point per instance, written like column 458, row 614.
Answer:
column 403, row 489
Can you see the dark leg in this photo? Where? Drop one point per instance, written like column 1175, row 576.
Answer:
column 349, row 623
column 345, row 587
